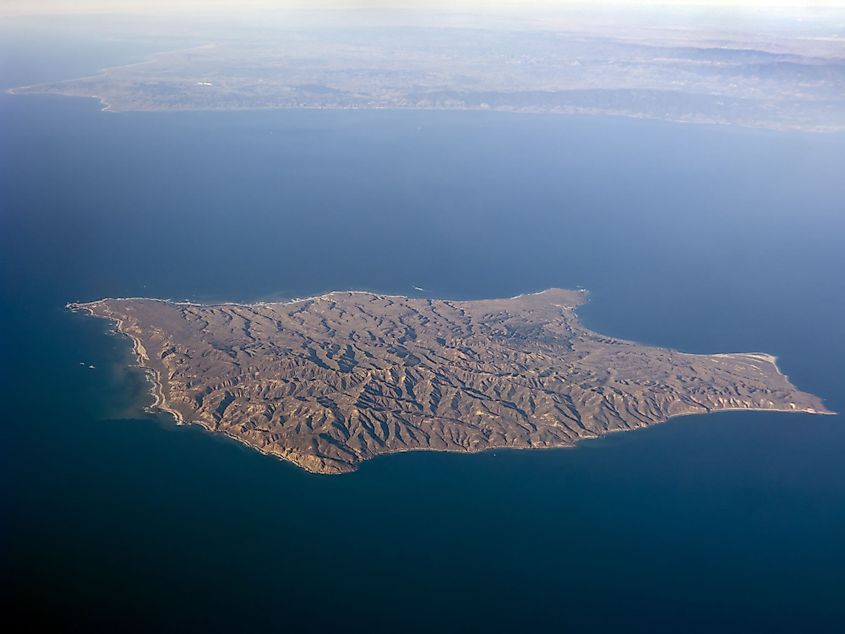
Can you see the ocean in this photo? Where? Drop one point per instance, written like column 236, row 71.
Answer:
column 701, row 238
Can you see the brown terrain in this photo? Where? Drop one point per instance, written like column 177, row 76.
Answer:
column 331, row 381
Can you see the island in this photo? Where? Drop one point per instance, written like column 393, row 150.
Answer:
column 331, row 381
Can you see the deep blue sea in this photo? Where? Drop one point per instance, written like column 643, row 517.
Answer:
column 703, row 238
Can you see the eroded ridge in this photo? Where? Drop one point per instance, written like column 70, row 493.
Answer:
column 331, row 381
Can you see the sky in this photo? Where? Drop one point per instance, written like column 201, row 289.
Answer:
column 813, row 18
column 30, row 7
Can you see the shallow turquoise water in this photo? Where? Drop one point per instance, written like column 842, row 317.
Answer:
column 702, row 238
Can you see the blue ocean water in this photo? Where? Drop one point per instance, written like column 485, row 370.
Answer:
column 702, row 238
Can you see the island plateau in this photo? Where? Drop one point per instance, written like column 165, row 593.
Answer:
column 331, row 381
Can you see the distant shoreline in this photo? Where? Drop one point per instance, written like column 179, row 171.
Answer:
column 109, row 107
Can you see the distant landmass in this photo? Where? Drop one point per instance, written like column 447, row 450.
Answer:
column 733, row 78
column 331, row 381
